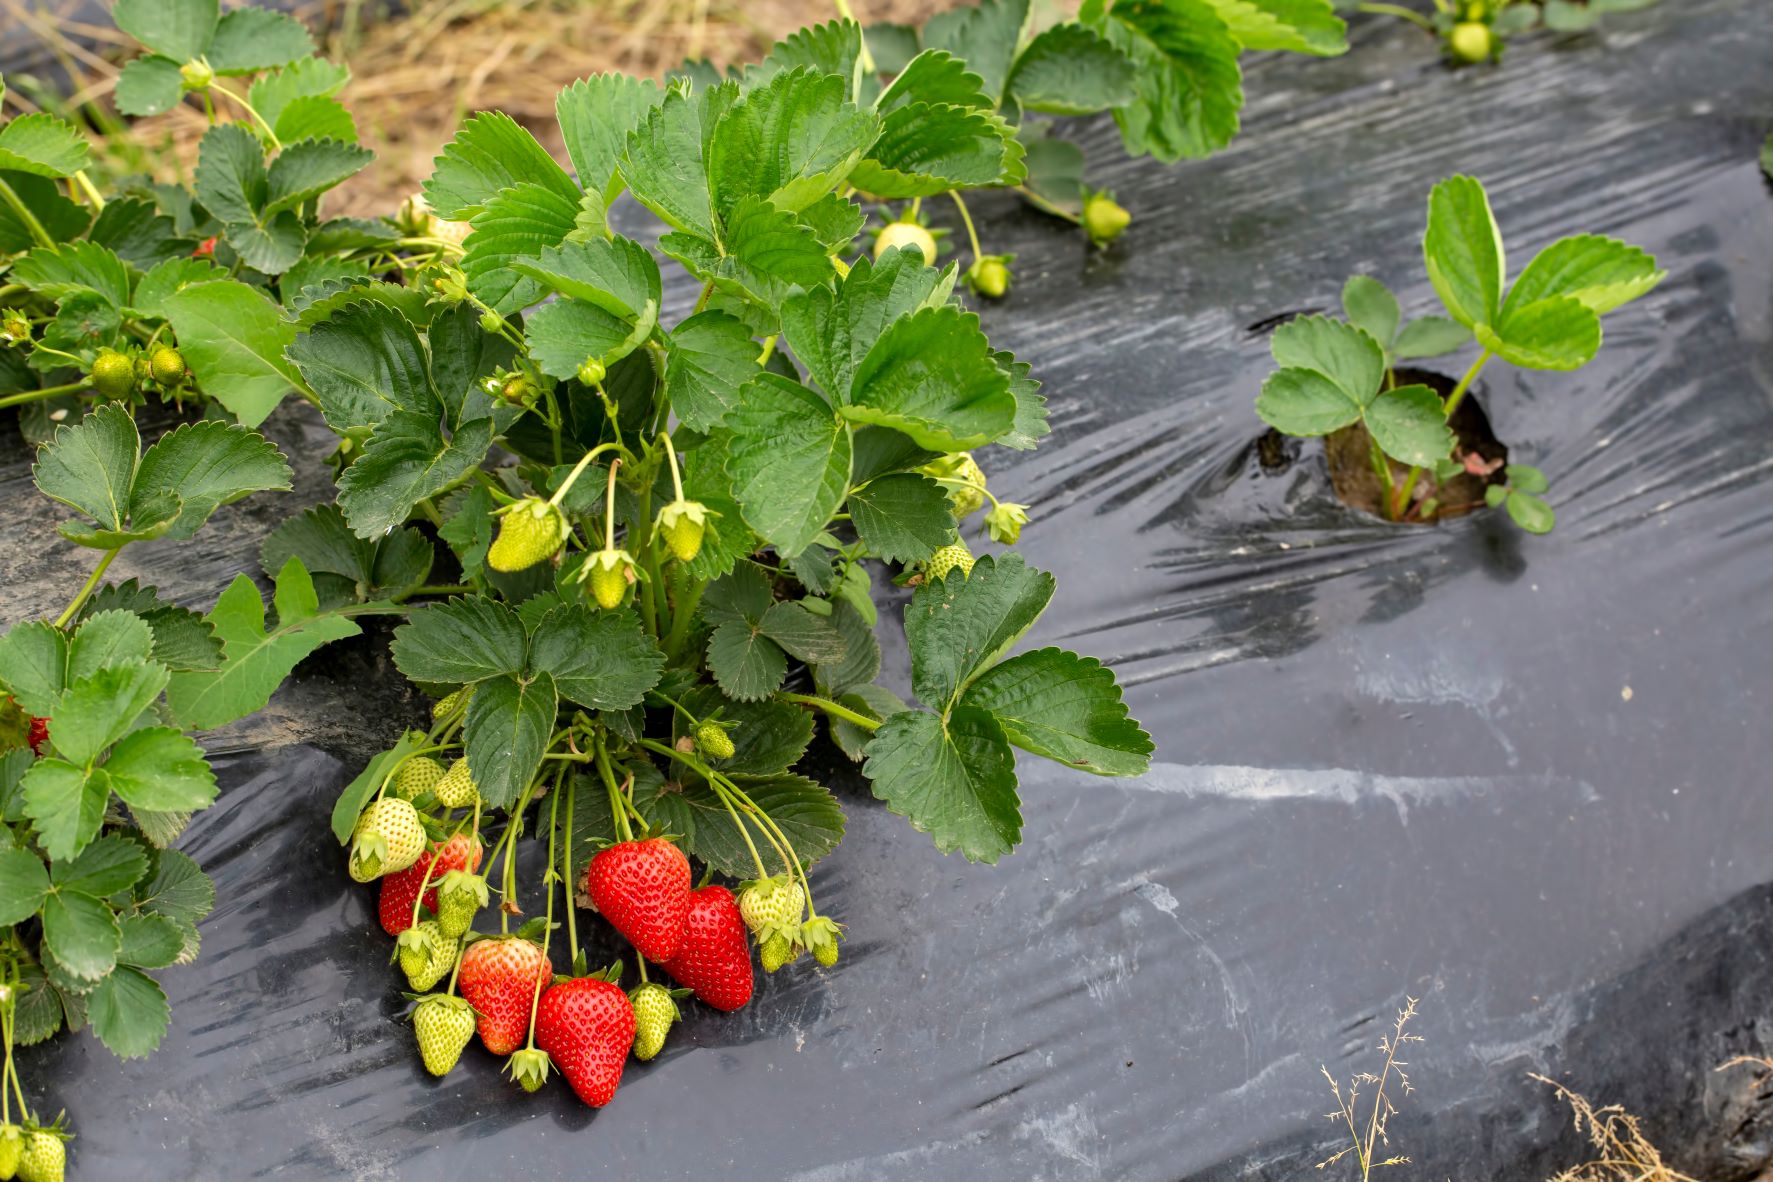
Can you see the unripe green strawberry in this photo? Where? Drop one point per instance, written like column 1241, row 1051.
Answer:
column 452, row 702
column 684, row 523
column 906, row 236
column 1103, row 218
column 417, row 775
column 491, row 322
column 529, row 1068
column 713, row 741
column 654, row 1011
column 167, row 366
column 592, row 371
column 196, row 74
column 966, row 493
column 460, row 896
column 12, row 1145
column 388, row 838
column 15, row 328
column 426, row 954
column 1005, row 521
column 530, row 531
column 820, row 935
column 611, row 573
column 113, row 374
column 772, row 907
column 456, row 790
column 952, row 557
column 518, row 390
column 990, row 277
column 776, row 952
column 44, row 1157
column 444, row 1025
column 1471, row 42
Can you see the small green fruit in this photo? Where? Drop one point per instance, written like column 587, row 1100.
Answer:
column 444, row 1025
column 713, row 741
column 1103, row 219
column 167, row 366
column 592, row 371
column 906, row 236
column 491, row 322
column 950, row 558
column 12, row 1145
column 989, row 277
column 654, row 1011
column 44, row 1157
column 196, row 74
column 1005, row 522
column 611, row 573
column 113, row 374
column 684, row 523
column 776, row 952
column 1471, row 43
column 530, row 531
column 455, row 789
column 417, row 775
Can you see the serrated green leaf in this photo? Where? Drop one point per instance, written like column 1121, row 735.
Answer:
column 38, row 1012
column 769, row 242
column 42, row 145
column 231, row 178
column 490, row 153
column 255, row 661
column 137, row 231
column 787, row 142
column 952, row 778
column 148, row 86
column 904, row 517
column 1030, row 426
column 178, row 888
column 662, row 162
column 1463, row 251
column 789, row 459
column 312, row 117
column 364, row 568
column 60, row 216
column 925, row 150
column 830, row 48
column 65, row 804
column 206, row 465
column 182, row 638
column 984, row 35
column 90, row 465
column 507, row 730
column 271, row 247
column 806, row 812
column 234, row 338
column 1370, row 307
column 364, row 364
column 251, row 39
column 747, row 664
column 1409, row 424
column 617, row 274
column 168, row 277
column 309, row 78
column 861, row 659
column 112, row 863
column 161, row 770
column 1189, row 87
column 463, row 640
column 406, row 461
column 1065, row 707
column 62, row 270
column 1070, row 70
column 34, row 664
column 128, row 1010
column 150, row 941
column 708, row 359
column 23, row 885
column 1305, row 402
column 1346, row 355
column 802, row 634
column 95, row 711
column 180, row 29
column 832, row 331
column 958, row 627
column 1559, row 333
column 515, row 224
column 307, row 169
column 601, row 660
column 1599, row 273
column 932, row 376
column 1431, row 336
column 935, row 77
column 81, row 933
column 595, row 115
column 565, row 333
column 108, row 638
column 1055, row 168
column 1301, row 26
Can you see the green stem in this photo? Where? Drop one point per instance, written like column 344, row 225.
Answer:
column 714, row 782
column 866, row 59
column 578, row 468
column 276, row 144
column 1381, row 469
column 1041, row 203
column 671, row 457
column 566, row 875
column 609, row 508
column 93, row 197
column 25, row 215
column 683, row 615
column 1452, row 404
column 92, row 581
column 39, row 395
column 535, row 999
column 440, row 589
column 1396, row 10
column 623, row 830
column 833, row 709
column 967, row 220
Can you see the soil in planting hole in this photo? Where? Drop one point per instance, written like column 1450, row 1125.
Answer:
column 1476, row 445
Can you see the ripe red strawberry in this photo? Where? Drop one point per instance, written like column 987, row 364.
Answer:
column 460, row 852
column 715, row 959
column 498, row 977
column 587, row 1025
column 39, row 734
column 643, row 889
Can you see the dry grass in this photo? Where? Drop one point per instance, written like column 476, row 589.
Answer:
column 414, row 77
column 1621, row 1151
column 1367, row 1135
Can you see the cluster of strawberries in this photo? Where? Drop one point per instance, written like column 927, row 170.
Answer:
column 584, row 1025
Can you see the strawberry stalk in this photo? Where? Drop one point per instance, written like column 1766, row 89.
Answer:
column 619, row 806
column 535, row 999
column 578, row 469
column 508, row 878
column 708, row 774
column 566, row 876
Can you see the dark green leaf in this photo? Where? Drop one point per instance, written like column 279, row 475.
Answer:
column 490, row 153
column 1189, row 87
column 96, row 711
column 1301, row 26
column 363, row 364
column 1463, row 251
column 904, row 517
column 807, row 813
column 180, row 29
column 958, row 627
column 595, row 115
column 984, row 35
column 161, row 770
column 406, row 461
column 1305, row 402
column 23, row 884
column 90, row 465
column 110, row 864
column 802, row 634
column 953, row 779
column 1346, row 355
column 148, row 86
column 932, row 375
column 1431, row 336
column 516, row 224
column 34, row 665
column 150, row 941
column 708, row 358
column 747, row 664
column 509, row 722
column 128, row 1010
column 663, row 164
column 786, row 143
column 925, row 150
column 601, row 660
column 1065, row 707
column 81, row 933
column 307, row 169
column 462, row 640
column 66, row 805
column 206, row 465
column 789, row 459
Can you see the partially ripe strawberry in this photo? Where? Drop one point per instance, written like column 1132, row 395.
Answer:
column 954, row 556
column 444, row 1025
column 654, row 1011
column 587, row 1027
column 455, row 788
column 715, row 959
column 530, row 531
column 498, row 977
column 401, row 889
column 39, row 734
column 906, row 236
column 388, row 838
column 643, row 889
column 773, row 906
column 416, row 776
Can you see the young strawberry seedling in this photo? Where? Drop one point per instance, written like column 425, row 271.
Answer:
column 1338, row 377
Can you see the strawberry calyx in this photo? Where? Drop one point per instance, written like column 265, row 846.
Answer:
column 528, row 1068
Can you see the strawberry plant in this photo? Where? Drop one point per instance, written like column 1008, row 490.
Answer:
column 1339, row 375
column 1471, row 32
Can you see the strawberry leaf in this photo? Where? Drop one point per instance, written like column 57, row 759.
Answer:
column 81, row 933
column 513, row 225
column 903, row 517
column 1070, row 70
column 924, row 150
column 984, row 35
column 90, row 465
column 1410, row 425
column 1065, row 707
column 129, row 1011
column 463, row 640
column 601, row 660
column 1302, row 26
column 708, row 359
column 932, row 376
column 34, row 665
column 205, row 465
column 958, row 627
column 407, row 460
column 491, row 153
column 251, row 39
column 234, row 339
column 953, row 778
column 662, row 163
column 180, row 29
column 1189, row 88
column 23, row 885
column 149, row 86
column 65, row 804
column 789, row 457
column 112, row 863
column 42, row 145
column 1463, row 251
column 345, row 567
column 507, row 729
column 786, row 143
column 595, row 116
column 1344, row 354
column 160, row 770
column 365, row 363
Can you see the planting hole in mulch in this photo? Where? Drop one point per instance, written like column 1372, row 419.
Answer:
column 1358, row 486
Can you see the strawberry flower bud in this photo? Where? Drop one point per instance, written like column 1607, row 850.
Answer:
column 592, row 371
column 1005, row 522
column 1103, row 219
column 196, row 74
column 451, row 285
column 491, row 322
